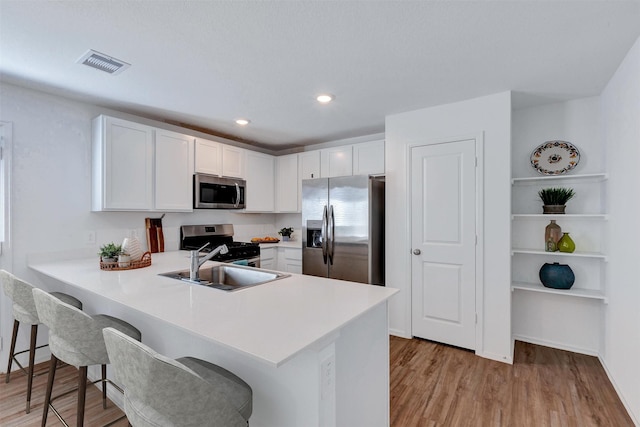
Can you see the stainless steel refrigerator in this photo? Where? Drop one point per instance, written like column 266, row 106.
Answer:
column 343, row 228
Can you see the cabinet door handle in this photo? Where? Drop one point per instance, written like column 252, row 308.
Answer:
column 417, row 251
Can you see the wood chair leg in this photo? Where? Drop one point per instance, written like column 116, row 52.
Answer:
column 104, row 386
column 47, row 398
column 82, row 392
column 12, row 350
column 32, row 355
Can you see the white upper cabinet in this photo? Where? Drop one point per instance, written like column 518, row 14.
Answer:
column 368, row 158
column 233, row 162
column 173, row 171
column 308, row 168
column 140, row 168
column 287, row 183
column 208, row 156
column 122, row 165
column 215, row 158
column 309, row 165
column 336, row 161
column 259, row 194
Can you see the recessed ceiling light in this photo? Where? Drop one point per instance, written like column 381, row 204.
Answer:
column 243, row 122
column 324, row 98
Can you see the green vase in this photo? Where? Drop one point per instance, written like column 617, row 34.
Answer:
column 566, row 244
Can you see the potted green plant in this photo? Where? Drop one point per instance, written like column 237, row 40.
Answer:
column 110, row 252
column 286, row 233
column 555, row 199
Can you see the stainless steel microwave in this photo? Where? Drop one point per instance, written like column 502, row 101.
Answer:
column 212, row 192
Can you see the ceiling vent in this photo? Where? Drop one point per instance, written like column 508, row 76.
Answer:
column 103, row 62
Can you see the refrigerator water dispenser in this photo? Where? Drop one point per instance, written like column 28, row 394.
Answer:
column 314, row 234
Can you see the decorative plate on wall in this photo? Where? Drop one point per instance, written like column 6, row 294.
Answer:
column 555, row 157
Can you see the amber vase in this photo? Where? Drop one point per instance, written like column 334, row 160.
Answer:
column 566, row 243
column 552, row 234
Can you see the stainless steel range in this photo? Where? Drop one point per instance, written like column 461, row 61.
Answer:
column 195, row 236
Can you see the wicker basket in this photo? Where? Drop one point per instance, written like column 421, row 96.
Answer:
column 145, row 261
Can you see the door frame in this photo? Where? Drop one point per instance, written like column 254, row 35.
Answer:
column 479, row 191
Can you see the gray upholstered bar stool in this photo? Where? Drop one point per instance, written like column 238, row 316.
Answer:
column 159, row 391
column 24, row 311
column 76, row 338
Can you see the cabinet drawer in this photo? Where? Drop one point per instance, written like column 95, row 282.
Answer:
column 267, row 253
column 293, row 253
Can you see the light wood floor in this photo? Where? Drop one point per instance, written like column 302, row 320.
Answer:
column 431, row 385
column 437, row 385
column 13, row 395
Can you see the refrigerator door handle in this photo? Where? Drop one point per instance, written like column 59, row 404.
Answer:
column 332, row 227
column 323, row 234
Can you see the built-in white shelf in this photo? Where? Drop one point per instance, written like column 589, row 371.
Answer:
column 589, row 176
column 561, row 216
column 577, row 254
column 573, row 292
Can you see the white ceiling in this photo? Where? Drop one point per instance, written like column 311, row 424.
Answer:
column 206, row 63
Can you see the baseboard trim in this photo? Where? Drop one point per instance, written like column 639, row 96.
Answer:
column 618, row 392
column 399, row 333
column 496, row 357
column 554, row 344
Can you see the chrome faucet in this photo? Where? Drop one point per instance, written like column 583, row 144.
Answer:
column 196, row 263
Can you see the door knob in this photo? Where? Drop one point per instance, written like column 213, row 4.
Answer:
column 417, row 252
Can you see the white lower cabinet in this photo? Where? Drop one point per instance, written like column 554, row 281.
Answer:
column 268, row 258
column 281, row 259
column 290, row 260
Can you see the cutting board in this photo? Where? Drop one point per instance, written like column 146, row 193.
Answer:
column 155, row 237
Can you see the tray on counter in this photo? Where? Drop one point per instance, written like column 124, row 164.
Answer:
column 145, row 261
column 264, row 241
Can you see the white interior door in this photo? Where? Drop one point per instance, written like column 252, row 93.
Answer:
column 443, row 234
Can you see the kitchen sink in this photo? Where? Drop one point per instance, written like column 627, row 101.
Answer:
column 228, row 277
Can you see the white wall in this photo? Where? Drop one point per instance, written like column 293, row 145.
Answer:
column 490, row 116
column 51, row 192
column 542, row 318
column 577, row 121
column 621, row 117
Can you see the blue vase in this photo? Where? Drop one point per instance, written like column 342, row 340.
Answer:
column 557, row 276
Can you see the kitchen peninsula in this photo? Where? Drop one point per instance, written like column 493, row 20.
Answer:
column 315, row 351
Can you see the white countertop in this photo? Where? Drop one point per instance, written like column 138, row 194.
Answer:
column 271, row 322
column 297, row 244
